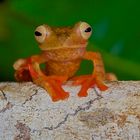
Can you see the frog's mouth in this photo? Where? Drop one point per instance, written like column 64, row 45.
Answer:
column 83, row 45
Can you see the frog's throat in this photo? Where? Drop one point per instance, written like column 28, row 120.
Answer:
column 64, row 47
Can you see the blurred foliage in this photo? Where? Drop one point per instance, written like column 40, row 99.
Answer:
column 116, row 31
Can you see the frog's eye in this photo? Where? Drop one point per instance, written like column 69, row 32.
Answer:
column 40, row 34
column 85, row 30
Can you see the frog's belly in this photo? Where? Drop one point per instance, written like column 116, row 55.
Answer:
column 67, row 68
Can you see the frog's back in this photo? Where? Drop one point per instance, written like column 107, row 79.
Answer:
column 64, row 62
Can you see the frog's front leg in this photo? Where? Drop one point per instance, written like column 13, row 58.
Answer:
column 53, row 84
column 96, row 78
column 99, row 72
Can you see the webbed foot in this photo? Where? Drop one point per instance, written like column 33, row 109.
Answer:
column 88, row 81
column 52, row 84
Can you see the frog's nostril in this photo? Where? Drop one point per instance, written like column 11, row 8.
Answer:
column 38, row 33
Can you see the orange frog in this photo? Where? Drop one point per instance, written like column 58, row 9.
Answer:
column 62, row 50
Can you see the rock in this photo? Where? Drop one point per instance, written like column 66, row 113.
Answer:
column 27, row 113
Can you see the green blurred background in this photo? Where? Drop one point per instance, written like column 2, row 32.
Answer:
column 116, row 31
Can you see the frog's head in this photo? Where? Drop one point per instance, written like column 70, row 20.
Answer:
column 63, row 37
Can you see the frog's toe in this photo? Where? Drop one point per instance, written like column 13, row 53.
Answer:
column 55, row 98
column 62, row 96
column 101, row 85
column 85, row 86
column 59, row 91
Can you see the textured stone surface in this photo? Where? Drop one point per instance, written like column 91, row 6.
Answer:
column 27, row 113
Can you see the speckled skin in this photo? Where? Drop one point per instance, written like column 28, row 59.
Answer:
column 62, row 52
column 66, row 64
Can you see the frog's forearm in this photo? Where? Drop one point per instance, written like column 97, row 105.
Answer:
column 95, row 57
column 34, row 66
column 51, row 83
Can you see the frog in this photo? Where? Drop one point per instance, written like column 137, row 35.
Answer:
column 62, row 51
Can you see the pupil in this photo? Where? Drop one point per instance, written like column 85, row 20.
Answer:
column 88, row 29
column 38, row 33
